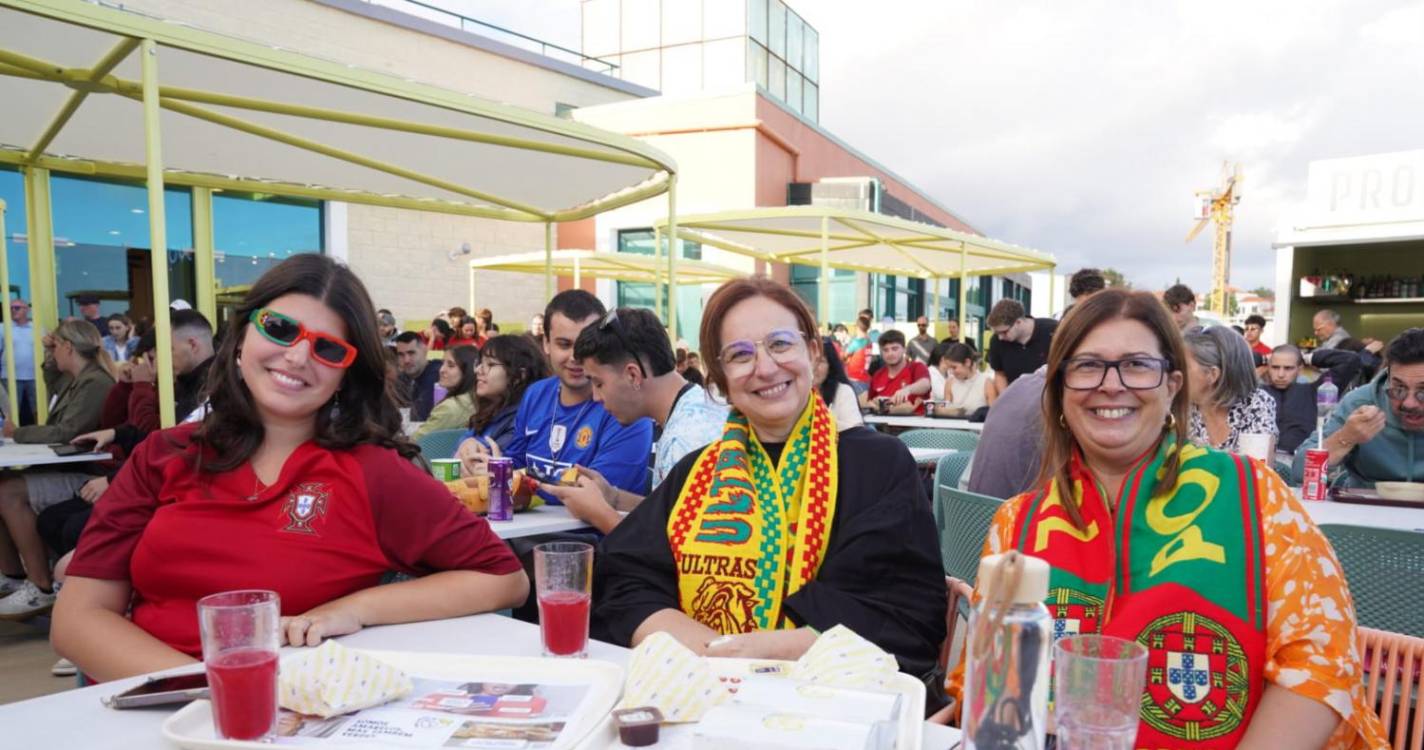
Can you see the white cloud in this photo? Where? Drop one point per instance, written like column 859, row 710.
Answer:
column 1084, row 128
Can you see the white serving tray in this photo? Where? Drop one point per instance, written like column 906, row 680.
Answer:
column 192, row 727
column 679, row 736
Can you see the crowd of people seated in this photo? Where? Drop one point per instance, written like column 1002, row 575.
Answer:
column 738, row 499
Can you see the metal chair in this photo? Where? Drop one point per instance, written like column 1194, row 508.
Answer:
column 440, row 443
column 1394, row 685
column 957, row 440
column 948, row 470
column 1381, row 566
column 965, row 522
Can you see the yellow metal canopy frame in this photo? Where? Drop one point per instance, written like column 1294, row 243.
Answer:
column 852, row 240
column 606, row 265
column 83, row 96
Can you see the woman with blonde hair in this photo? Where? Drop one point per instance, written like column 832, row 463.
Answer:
column 79, row 371
column 1204, row 557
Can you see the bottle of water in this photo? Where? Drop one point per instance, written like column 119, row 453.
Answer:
column 1326, row 397
column 1006, row 656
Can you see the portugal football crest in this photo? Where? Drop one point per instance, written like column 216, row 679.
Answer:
column 304, row 505
column 1074, row 612
column 1197, row 677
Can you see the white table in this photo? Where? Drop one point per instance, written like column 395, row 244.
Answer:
column 925, row 422
column 1354, row 514
column 14, row 454
column 545, row 519
column 925, row 456
column 76, row 719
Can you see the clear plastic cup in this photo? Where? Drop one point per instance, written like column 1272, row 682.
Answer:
column 1097, row 688
column 563, row 581
column 240, row 631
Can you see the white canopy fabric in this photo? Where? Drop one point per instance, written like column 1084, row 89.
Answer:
column 244, row 111
column 607, row 265
column 857, row 241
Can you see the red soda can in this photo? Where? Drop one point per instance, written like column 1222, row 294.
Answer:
column 1317, row 478
column 501, row 493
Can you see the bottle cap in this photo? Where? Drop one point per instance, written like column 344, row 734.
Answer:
column 1032, row 586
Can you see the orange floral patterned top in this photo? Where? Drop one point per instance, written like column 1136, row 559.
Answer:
column 1311, row 642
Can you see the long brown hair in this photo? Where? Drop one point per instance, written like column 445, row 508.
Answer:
column 727, row 296
column 362, row 411
column 524, row 365
column 1058, row 441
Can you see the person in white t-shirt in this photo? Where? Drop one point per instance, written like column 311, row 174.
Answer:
column 965, row 384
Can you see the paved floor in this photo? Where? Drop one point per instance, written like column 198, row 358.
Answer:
column 25, row 660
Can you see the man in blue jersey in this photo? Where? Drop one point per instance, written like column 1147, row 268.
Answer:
column 559, row 425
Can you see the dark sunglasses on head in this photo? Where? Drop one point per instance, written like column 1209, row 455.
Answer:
column 610, row 323
column 282, row 330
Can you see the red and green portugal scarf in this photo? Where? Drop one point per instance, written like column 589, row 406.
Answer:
column 1181, row 573
column 746, row 534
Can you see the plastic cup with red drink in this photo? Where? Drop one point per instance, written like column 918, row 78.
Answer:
column 239, row 630
column 563, row 581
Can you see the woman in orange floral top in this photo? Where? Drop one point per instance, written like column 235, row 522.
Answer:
column 1204, row 557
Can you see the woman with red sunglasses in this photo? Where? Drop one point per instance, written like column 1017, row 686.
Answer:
column 298, row 481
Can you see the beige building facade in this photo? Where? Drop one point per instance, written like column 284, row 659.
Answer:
column 413, row 262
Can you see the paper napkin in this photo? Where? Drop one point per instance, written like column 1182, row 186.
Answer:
column 842, row 658
column 665, row 674
column 336, row 680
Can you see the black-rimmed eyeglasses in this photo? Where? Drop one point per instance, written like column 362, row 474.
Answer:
column 610, row 323
column 1135, row 373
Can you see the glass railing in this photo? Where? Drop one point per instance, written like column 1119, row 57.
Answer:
column 523, row 41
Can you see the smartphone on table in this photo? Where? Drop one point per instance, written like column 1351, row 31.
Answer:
column 162, row 691
column 74, row 449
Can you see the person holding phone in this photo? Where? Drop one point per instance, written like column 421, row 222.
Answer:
column 509, row 364
column 298, row 480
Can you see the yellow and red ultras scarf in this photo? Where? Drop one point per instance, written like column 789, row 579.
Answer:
column 746, row 534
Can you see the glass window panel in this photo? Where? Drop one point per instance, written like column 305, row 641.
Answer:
column 757, row 64
column 600, row 28
column 720, row 22
column 723, row 63
column 756, row 20
column 102, row 244
column 644, row 68
column 12, row 191
column 682, row 22
column 811, row 102
column 776, row 78
column 641, row 26
column 793, row 91
column 795, row 28
column 811, row 55
column 776, row 28
column 682, row 69
column 251, row 236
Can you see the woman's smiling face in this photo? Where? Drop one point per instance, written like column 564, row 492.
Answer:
column 285, row 381
column 1114, row 424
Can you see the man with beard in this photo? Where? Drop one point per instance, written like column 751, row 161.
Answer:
column 923, row 345
column 904, row 382
column 1377, row 432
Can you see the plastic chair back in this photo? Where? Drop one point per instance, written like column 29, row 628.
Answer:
column 955, row 440
column 1394, row 681
column 1381, row 567
column 947, row 473
column 440, row 443
column 966, row 517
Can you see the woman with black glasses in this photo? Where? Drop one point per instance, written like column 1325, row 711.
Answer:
column 1204, row 557
column 297, row 480
column 509, row 364
column 785, row 526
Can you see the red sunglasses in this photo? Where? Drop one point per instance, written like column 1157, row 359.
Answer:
column 280, row 329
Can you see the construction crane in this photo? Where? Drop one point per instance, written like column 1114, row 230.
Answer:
column 1216, row 207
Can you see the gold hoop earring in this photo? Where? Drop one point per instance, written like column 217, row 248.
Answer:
column 1171, row 422
column 1063, row 423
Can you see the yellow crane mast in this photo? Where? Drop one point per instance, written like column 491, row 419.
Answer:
column 1217, row 207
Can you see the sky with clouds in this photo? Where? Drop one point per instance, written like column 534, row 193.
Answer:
column 1084, row 128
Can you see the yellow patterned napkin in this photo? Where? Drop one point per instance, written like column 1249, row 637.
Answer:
column 336, row 680
column 665, row 674
column 843, row 659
